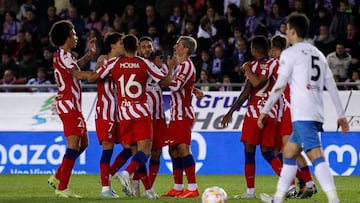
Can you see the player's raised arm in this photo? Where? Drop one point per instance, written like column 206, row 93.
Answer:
column 171, row 63
column 240, row 100
column 91, row 45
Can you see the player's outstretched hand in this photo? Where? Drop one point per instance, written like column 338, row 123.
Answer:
column 261, row 120
column 344, row 124
column 198, row 93
column 172, row 62
column 91, row 45
column 226, row 119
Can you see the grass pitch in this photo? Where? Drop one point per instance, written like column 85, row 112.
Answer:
column 34, row 188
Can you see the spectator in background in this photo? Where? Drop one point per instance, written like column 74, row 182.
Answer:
column 340, row 20
column 240, row 55
column 190, row 15
column 10, row 27
column 93, row 22
column 47, row 62
column 153, row 32
column 45, row 23
column 129, row 18
column 189, row 29
column 204, row 63
column 32, row 42
column 255, row 23
column 106, row 20
column 27, row 64
column 170, row 38
column 275, row 18
column 152, row 18
column 206, row 34
column 15, row 47
column 219, row 22
column 25, row 6
column 322, row 18
column 220, row 64
column 10, row 79
column 355, row 77
column 238, row 34
column 7, row 63
column 225, row 87
column 79, row 25
column 324, row 41
column 205, row 78
column 234, row 18
column 352, row 45
column 176, row 17
column 339, row 61
column 282, row 30
column 30, row 22
column 40, row 79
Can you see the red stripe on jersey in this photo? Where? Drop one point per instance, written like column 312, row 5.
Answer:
column 258, row 96
column 69, row 88
column 181, row 91
column 106, row 106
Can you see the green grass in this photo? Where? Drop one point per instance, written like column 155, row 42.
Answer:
column 34, row 188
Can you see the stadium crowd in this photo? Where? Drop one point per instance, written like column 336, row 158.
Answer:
column 223, row 30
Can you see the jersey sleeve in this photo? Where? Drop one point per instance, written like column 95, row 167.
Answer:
column 286, row 64
column 67, row 61
column 182, row 76
column 153, row 71
column 104, row 70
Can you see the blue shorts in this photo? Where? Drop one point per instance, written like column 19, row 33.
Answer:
column 306, row 134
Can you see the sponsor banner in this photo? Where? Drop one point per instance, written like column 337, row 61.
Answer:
column 214, row 153
column 36, row 112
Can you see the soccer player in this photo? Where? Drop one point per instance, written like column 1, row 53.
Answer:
column 182, row 118
column 306, row 70
column 284, row 128
column 68, row 101
column 156, row 104
column 130, row 74
column 106, row 117
column 257, row 86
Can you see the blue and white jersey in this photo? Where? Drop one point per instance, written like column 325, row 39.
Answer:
column 307, row 72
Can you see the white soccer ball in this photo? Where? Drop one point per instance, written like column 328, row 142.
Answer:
column 214, row 194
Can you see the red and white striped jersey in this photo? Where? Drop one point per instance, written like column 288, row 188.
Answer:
column 258, row 96
column 284, row 101
column 106, row 105
column 68, row 97
column 181, row 88
column 130, row 76
column 155, row 97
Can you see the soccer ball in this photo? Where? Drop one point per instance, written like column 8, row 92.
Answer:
column 214, row 194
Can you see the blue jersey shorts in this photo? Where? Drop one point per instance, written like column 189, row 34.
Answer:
column 306, row 134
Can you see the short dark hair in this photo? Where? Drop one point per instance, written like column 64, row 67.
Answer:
column 60, row 31
column 111, row 38
column 145, row 38
column 300, row 23
column 260, row 43
column 279, row 42
column 130, row 43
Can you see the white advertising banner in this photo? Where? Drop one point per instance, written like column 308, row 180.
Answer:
column 36, row 112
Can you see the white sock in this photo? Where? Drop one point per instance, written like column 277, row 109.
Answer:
column 287, row 175
column 250, row 191
column 279, row 196
column 105, row 188
column 332, row 196
column 178, row 186
column 192, row 186
column 126, row 174
column 326, row 180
